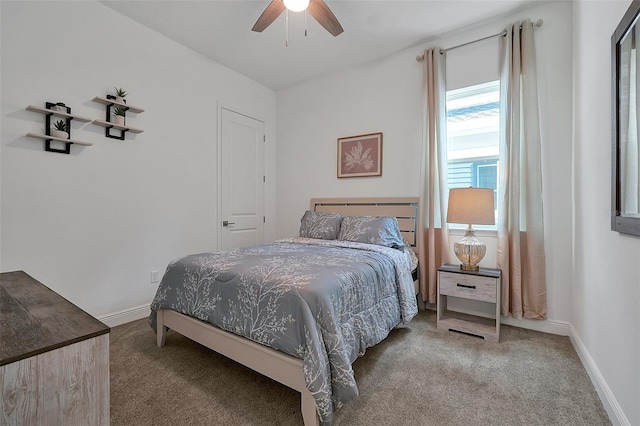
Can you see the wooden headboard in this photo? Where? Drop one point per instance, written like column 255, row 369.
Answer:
column 405, row 209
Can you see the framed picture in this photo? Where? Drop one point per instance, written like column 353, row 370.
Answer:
column 360, row 156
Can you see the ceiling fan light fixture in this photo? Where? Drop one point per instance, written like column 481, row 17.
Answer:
column 296, row 5
column 318, row 9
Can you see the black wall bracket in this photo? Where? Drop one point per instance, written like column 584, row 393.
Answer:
column 47, row 142
column 107, row 130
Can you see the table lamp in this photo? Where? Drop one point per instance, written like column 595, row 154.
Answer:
column 470, row 206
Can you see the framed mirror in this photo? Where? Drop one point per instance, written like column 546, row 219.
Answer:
column 625, row 158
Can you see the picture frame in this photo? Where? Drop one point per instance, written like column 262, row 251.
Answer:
column 625, row 176
column 360, row 156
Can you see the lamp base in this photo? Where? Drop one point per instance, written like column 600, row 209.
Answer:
column 470, row 251
column 469, row 267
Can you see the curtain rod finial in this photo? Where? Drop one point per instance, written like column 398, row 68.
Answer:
column 420, row 58
column 538, row 23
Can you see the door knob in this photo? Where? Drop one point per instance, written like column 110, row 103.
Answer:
column 227, row 223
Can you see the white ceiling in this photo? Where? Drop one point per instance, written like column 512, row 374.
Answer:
column 221, row 30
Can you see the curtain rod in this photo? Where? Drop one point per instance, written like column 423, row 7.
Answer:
column 420, row 58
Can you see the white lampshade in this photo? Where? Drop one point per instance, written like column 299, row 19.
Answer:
column 296, row 5
column 470, row 205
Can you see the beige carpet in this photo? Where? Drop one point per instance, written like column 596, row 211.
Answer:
column 417, row 376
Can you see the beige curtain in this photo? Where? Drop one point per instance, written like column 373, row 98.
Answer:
column 434, row 242
column 520, row 254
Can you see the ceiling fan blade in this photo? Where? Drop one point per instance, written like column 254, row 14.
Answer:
column 270, row 14
column 325, row 17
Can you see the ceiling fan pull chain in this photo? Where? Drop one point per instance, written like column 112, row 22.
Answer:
column 305, row 22
column 286, row 28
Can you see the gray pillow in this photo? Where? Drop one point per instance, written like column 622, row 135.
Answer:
column 382, row 231
column 320, row 225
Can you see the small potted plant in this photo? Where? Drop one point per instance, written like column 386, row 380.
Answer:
column 118, row 115
column 60, row 106
column 60, row 130
column 120, row 94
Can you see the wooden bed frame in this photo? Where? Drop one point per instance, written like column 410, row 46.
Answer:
column 270, row 362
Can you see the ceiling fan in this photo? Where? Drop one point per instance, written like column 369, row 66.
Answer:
column 317, row 8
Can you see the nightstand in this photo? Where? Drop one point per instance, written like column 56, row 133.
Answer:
column 482, row 285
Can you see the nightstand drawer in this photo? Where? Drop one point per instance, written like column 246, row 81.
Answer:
column 468, row 286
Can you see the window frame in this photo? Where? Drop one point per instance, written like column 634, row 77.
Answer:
column 482, row 155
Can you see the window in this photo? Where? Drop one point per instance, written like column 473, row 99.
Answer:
column 473, row 118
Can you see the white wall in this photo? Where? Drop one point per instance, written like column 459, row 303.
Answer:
column 606, row 293
column 386, row 96
column 381, row 96
column 93, row 224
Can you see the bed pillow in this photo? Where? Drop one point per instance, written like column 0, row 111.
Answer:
column 412, row 254
column 322, row 225
column 382, row 231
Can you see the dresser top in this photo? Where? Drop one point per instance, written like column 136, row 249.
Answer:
column 485, row 272
column 35, row 319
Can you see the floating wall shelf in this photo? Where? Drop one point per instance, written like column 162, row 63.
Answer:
column 58, row 113
column 110, row 101
column 109, row 124
column 49, row 112
column 107, row 101
column 67, row 141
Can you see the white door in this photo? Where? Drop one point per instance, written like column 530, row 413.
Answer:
column 241, row 181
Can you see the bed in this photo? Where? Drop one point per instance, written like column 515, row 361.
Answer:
column 302, row 327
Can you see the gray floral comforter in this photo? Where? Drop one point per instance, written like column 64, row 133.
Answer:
column 324, row 301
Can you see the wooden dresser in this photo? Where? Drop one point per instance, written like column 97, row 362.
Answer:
column 54, row 358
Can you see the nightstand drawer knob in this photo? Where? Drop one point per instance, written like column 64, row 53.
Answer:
column 473, row 287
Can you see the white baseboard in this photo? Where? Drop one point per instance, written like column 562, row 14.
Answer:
column 616, row 415
column 128, row 315
column 561, row 328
